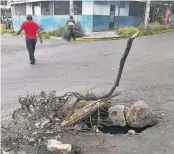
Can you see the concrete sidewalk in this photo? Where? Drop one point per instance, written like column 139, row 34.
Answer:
column 102, row 35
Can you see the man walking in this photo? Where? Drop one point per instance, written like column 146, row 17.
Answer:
column 71, row 24
column 30, row 28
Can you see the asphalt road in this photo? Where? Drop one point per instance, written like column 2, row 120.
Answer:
column 92, row 66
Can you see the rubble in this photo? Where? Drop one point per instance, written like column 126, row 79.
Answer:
column 139, row 115
column 57, row 147
column 131, row 132
column 3, row 152
column 80, row 126
column 21, row 152
column 82, row 113
column 117, row 115
column 44, row 117
column 32, row 140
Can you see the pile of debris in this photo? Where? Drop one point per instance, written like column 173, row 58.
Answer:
column 42, row 118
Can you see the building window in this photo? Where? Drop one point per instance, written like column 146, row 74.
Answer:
column 20, row 9
column 122, row 4
column 47, row 8
column 77, row 7
column 61, row 8
column 3, row 2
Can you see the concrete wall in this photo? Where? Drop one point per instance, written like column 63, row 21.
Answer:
column 102, row 14
column 87, row 7
column 95, row 17
column 52, row 22
column 100, row 9
column 29, row 9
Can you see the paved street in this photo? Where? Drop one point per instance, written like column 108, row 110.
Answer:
column 92, row 66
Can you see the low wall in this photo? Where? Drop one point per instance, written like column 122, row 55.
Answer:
column 101, row 22
column 89, row 22
column 50, row 23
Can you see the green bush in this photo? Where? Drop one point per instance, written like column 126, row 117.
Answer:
column 79, row 32
column 51, row 33
column 46, row 36
column 60, row 32
column 41, row 28
column 141, row 28
column 64, row 32
column 145, row 33
column 11, row 31
column 154, row 27
column 127, row 31
column 43, row 33
column 3, row 31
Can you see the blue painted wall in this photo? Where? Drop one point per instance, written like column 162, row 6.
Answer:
column 128, row 21
column 101, row 22
column 89, row 22
column 52, row 22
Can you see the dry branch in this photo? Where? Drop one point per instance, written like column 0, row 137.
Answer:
column 117, row 81
column 81, row 113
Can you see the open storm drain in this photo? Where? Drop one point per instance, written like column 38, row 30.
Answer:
column 121, row 130
column 119, row 119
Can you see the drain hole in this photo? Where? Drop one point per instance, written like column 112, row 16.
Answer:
column 107, row 125
column 121, row 130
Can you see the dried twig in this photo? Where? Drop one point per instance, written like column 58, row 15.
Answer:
column 117, row 81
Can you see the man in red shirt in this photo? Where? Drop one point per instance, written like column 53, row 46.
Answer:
column 30, row 28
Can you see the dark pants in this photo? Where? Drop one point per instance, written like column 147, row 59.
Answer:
column 71, row 34
column 31, row 43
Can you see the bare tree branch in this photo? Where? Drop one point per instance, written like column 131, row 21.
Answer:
column 117, row 81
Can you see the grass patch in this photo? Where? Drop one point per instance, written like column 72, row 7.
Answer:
column 127, row 31
column 11, row 31
column 2, row 31
column 46, row 35
column 154, row 28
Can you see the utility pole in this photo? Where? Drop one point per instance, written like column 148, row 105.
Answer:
column 118, row 21
column 71, row 6
column 147, row 12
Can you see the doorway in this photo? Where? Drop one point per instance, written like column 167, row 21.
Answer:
column 112, row 17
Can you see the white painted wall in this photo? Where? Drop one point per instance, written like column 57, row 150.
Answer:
column 87, row 7
column 123, row 11
column 101, row 9
column 29, row 8
column 105, row 9
column 37, row 10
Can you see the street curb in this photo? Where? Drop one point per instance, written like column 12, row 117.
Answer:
column 91, row 39
column 77, row 39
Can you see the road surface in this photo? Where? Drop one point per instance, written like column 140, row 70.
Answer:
column 92, row 66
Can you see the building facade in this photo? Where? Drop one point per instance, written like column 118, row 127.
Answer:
column 5, row 9
column 93, row 15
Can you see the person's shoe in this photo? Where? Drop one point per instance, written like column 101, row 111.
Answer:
column 32, row 63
